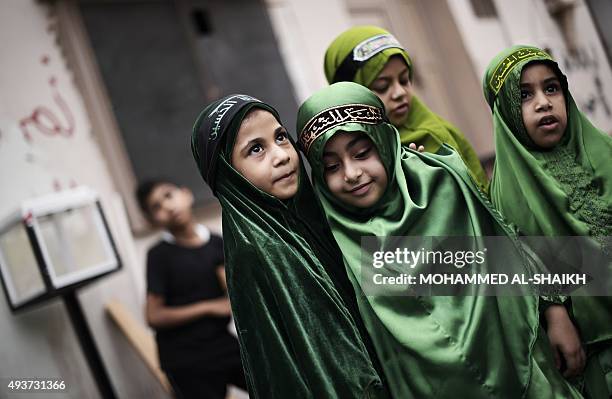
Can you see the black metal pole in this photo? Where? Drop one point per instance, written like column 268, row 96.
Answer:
column 88, row 346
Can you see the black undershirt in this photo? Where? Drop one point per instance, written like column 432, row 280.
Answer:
column 183, row 275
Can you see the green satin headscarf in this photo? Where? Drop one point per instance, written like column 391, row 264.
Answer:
column 295, row 312
column 422, row 126
column 566, row 191
column 432, row 347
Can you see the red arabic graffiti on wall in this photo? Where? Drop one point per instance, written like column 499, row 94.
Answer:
column 44, row 120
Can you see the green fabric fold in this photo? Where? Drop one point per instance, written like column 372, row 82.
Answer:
column 295, row 312
column 437, row 346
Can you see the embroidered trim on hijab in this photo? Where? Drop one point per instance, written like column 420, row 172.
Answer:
column 335, row 116
column 503, row 69
column 211, row 128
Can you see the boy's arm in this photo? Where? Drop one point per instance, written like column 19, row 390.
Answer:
column 564, row 340
column 160, row 316
column 221, row 276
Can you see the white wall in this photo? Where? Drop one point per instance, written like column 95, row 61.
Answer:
column 528, row 22
column 303, row 31
column 46, row 145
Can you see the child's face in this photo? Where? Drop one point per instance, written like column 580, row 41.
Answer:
column 264, row 156
column 543, row 105
column 353, row 170
column 170, row 206
column 393, row 87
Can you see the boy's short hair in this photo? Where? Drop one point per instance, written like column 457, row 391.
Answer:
column 144, row 190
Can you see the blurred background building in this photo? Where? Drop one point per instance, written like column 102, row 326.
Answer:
column 104, row 93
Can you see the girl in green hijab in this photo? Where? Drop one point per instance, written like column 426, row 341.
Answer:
column 553, row 177
column 372, row 57
column 429, row 346
column 293, row 305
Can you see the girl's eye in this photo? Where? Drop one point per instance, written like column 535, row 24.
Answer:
column 380, row 88
column 553, row 88
column 282, row 136
column 255, row 149
column 525, row 94
column 331, row 168
column 168, row 194
column 363, row 154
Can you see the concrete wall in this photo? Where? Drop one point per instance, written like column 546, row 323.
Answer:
column 47, row 145
column 303, row 30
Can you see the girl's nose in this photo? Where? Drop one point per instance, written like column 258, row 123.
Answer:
column 280, row 155
column 352, row 174
column 397, row 90
column 542, row 102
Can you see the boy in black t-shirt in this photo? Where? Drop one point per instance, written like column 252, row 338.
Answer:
column 186, row 302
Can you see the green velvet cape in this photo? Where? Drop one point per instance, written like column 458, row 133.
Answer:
column 422, row 126
column 294, row 309
column 432, row 346
column 566, row 191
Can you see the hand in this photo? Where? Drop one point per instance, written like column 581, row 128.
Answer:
column 564, row 341
column 219, row 307
column 413, row 146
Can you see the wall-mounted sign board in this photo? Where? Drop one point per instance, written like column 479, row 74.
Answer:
column 53, row 244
